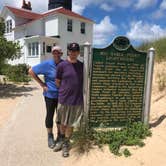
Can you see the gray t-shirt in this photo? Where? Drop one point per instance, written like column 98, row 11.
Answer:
column 71, row 88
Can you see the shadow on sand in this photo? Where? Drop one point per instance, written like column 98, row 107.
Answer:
column 12, row 90
column 158, row 121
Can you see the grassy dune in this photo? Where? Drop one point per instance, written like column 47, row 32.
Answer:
column 160, row 47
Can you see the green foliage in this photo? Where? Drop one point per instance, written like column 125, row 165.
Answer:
column 126, row 153
column 8, row 50
column 2, row 27
column 17, row 73
column 131, row 135
column 160, row 47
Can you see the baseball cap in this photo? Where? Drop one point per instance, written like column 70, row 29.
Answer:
column 57, row 48
column 73, row 47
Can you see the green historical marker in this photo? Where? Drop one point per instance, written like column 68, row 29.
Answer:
column 117, row 86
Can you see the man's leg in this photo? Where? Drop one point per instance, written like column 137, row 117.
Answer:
column 66, row 145
column 60, row 142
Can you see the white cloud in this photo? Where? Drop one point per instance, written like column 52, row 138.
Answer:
column 106, row 7
column 160, row 12
column 163, row 5
column 142, row 4
column 80, row 5
column 121, row 3
column 140, row 31
column 103, row 31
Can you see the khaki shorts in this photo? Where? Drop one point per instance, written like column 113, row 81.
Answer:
column 69, row 115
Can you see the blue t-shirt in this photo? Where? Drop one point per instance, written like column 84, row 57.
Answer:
column 48, row 69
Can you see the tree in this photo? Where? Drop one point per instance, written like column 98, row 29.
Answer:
column 8, row 50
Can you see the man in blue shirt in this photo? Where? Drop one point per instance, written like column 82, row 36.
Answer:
column 50, row 90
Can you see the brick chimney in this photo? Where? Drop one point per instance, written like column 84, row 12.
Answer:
column 26, row 6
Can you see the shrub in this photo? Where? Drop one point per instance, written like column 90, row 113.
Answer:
column 17, row 73
column 130, row 135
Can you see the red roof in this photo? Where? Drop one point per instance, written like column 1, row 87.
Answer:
column 66, row 12
column 24, row 13
column 35, row 16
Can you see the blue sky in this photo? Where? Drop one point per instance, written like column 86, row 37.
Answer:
column 140, row 20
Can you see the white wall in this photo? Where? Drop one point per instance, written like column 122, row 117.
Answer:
column 19, row 33
column 35, row 28
column 67, row 37
column 20, row 21
column 51, row 26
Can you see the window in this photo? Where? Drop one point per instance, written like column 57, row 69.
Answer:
column 29, row 49
column 44, row 48
column 83, row 27
column 36, row 48
column 49, row 48
column 33, row 49
column 8, row 26
column 69, row 25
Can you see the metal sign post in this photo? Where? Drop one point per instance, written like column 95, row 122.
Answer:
column 86, row 90
column 148, row 88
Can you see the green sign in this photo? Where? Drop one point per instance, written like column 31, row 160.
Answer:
column 117, row 85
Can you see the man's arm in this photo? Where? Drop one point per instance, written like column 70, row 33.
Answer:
column 35, row 77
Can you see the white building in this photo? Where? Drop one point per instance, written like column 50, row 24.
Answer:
column 37, row 33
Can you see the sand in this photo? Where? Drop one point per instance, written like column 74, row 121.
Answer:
column 10, row 96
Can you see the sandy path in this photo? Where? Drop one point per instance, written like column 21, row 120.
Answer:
column 23, row 140
column 6, row 109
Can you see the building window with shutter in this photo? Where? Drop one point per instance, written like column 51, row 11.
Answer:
column 9, row 26
column 83, row 26
column 69, row 25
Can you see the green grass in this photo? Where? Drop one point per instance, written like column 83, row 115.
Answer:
column 132, row 134
column 158, row 45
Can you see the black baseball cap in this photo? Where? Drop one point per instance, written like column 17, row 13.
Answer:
column 73, row 47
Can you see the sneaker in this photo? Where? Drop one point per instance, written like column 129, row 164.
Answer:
column 58, row 138
column 58, row 145
column 66, row 149
column 51, row 142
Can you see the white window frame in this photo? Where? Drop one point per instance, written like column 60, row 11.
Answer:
column 33, row 49
column 8, row 26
